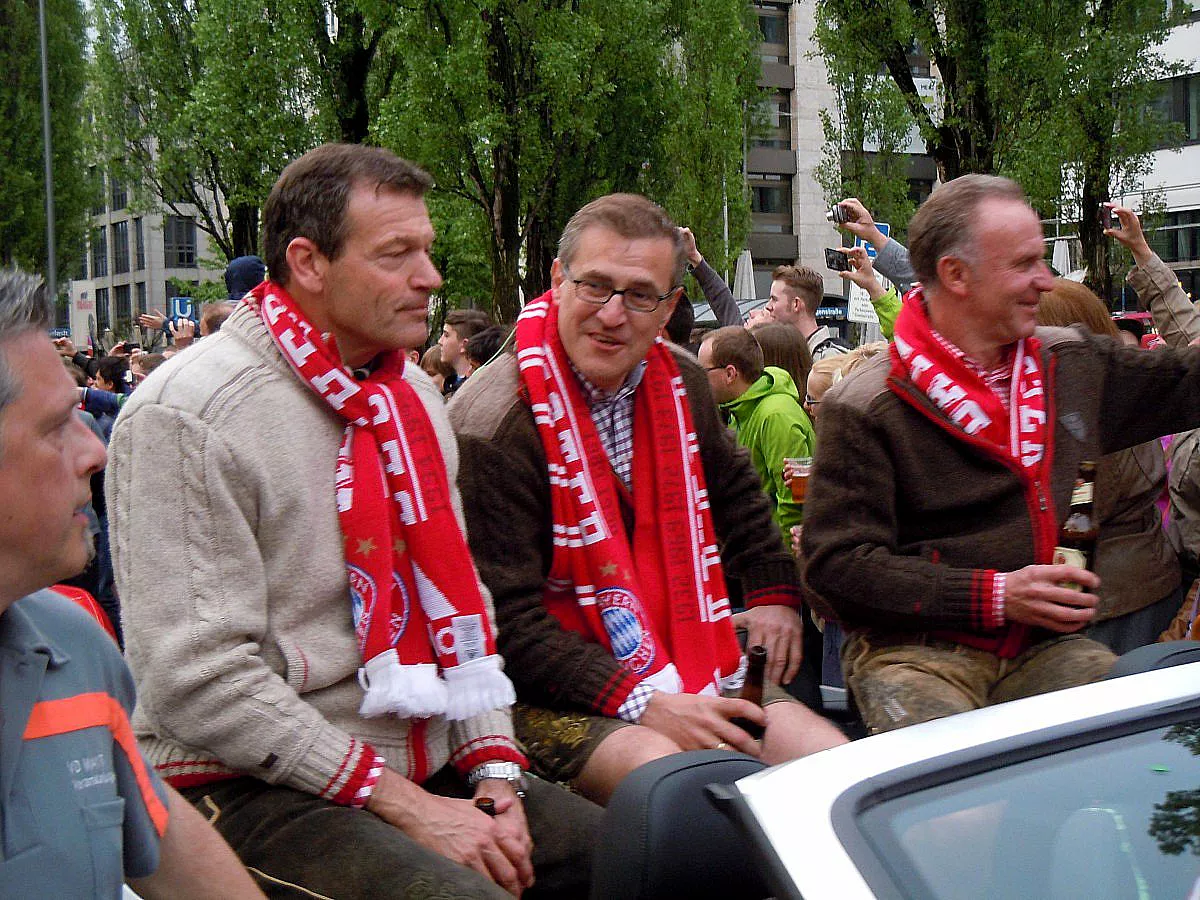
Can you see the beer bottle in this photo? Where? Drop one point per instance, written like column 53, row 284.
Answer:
column 752, row 688
column 1077, row 537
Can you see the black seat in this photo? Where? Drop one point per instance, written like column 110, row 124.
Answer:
column 1156, row 656
column 663, row 839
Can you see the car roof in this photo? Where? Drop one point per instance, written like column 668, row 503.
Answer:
column 818, row 796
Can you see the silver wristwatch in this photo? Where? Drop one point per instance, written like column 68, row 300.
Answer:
column 503, row 771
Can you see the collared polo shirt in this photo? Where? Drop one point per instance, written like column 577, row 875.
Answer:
column 80, row 810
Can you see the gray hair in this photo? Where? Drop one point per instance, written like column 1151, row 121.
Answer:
column 24, row 307
column 633, row 217
column 945, row 223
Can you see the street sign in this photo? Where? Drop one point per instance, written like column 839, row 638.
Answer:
column 886, row 228
column 183, row 308
column 860, row 308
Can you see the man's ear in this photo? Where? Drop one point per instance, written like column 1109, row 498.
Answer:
column 307, row 265
column 558, row 277
column 953, row 275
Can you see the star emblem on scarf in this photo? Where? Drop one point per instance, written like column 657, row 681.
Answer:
column 608, row 569
column 398, row 547
column 366, row 547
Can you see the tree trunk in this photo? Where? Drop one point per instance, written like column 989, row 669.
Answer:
column 245, row 230
column 1099, row 126
column 351, row 56
column 506, row 175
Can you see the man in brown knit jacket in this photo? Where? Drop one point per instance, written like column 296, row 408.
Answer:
column 597, row 481
column 945, row 469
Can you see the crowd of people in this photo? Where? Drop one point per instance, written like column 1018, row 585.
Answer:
column 399, row 617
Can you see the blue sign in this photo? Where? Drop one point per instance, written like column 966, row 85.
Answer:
column 183, row 308
column 887, row 232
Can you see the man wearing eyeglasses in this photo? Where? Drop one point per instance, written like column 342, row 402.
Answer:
column 598, row 484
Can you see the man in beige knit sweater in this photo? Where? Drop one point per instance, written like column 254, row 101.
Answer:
column 315, row 660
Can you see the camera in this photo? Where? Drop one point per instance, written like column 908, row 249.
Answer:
column 837, row 260
column 1108, row 218
column 838, row 214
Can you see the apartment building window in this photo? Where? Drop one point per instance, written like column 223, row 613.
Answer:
column 120, row 247
column 103, row 314
column 179, row 242
column 96, row 179
column 1178, row 238
column 117, row 195
column 123, row 308
column 81, row 271
column 99, row 252
column 139, row 244
column 773, row 27
column 1180, row 102
column 140, row 291
column 775, row 199
column 776, row 114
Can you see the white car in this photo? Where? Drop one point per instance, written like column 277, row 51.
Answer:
column 1090, row 793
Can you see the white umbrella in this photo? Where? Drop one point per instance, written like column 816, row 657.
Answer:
column 743, row 277
column 1060, row 258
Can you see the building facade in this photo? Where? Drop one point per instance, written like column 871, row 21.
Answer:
column 128, row 260
column 1174, row 177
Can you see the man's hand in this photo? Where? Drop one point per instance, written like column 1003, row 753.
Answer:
column 760, row 316
column 513, row 836
column 700, row 722
column 65, row 347
column 862, row 272
column 860, row 224
column 452, row 828
column 153, row 320
column 1034, row 596
column 779, row 629
column 183, row 332
column 689, row 246
column 1130, row 234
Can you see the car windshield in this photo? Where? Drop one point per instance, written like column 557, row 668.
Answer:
column 1118, row 819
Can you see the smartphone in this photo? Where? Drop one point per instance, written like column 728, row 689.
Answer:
column 1108, row 218
column 838, row 214
column 837, row 260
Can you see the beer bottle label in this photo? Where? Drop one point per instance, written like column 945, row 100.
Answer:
column 1069, row 556
column 1082, row 493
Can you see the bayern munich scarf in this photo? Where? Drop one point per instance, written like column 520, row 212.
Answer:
column 1018, row 436
column 658, row 601
column 427, row 644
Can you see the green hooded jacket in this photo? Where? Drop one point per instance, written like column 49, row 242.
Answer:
column 770, row 423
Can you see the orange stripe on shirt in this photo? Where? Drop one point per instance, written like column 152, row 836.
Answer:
column 53, row 717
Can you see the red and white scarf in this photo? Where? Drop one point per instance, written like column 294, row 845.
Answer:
column 657, row 602
column 1018, row 435
column 427, row 643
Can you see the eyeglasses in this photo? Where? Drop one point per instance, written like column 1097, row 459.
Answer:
column 809, row 401
column 597, row 293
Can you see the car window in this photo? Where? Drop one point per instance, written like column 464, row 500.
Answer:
column 1109, row 821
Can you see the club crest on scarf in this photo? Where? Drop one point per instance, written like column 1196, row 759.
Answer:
column 632, row 643
column 655, row 599
column 402, row 541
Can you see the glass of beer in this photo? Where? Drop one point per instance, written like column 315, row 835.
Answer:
column 796, row 472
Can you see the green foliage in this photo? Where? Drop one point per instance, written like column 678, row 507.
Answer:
column 524, row 111
column 1054, row 93
column 22, row 183
column 204, row 292
column 865, row 135
column 196, row 101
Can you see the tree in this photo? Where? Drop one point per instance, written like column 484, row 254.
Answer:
column 204, row 104
column 1107, row 124
column 865, row 136
column 1051, row 92
column 22, row 184
column 526, row 110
